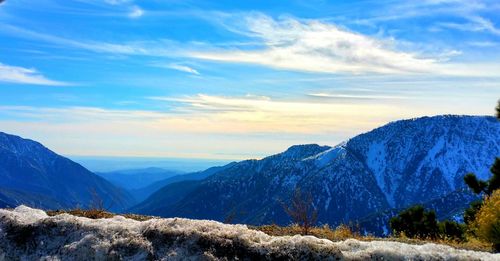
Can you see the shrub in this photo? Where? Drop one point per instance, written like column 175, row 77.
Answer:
column 301, row 210
column 452, row 230
column 415, row 222
column 470, row 213
column 487, row 223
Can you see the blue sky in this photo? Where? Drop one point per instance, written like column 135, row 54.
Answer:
column 237, row 79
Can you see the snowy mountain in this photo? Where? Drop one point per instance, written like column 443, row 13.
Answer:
column 29, row 234
column 33, row 175
column 400, row 164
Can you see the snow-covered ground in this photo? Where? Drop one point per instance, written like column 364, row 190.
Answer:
column 29, row 234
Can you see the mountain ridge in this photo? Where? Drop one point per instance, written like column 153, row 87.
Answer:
column 393, row 166
column 30, row 171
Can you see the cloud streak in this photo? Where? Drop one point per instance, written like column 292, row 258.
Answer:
column 21, row 75
column 319, row 47
column 182, row 68
column 198, row 125
column 315, row 46
column 219, row 114
column 289, row 44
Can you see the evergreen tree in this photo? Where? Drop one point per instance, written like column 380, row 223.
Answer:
column 470, row 213
column 481, row 186
column 415, row 222
column 498, row 110
column 494, row 182
column 452, row 230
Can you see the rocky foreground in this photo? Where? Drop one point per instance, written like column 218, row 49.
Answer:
column 30, row 234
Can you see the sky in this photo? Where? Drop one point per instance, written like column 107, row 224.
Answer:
column 237, row 79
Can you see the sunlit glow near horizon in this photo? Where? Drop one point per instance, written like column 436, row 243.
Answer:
column 235, row 80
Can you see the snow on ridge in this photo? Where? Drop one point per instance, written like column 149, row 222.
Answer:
column 326, row 157
column 29, row 234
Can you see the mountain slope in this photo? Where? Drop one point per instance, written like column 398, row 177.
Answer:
column 394, row 166
column 143, row 193
column 33, row 175
column 163, row 199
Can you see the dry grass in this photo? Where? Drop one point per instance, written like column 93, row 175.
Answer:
column 96, row 214
column 343, row 232
column 470, row 244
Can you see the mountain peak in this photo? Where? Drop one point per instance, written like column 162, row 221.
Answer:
column 34, row 175
column 25, row 147
column 303, row 151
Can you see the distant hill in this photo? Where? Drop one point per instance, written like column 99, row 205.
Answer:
column 33, row 175
column 392, row 167
column 131, row 179
column 143, row 193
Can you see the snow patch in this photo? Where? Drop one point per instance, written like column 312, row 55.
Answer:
column 324, row 158
column 29, row 234
column 376, row 161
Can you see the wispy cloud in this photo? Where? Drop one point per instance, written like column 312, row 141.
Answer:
column 340, row 96
column 193, row 126
column 264, row 114
column 290, row 44
column 223, row 115
column 136, row 12
column 474, row 24
column 161, row 48
column 177, row 67
column 402, row 10
column 316, row 46
column 117, row 2
column 180, row 67
column 21, row 75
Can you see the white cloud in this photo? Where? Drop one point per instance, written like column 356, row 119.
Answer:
column 318, row 47
column 291, row 44
column 21, row 75
column 136, row 12
column 182, row 68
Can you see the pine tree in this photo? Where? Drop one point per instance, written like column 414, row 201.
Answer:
column 498, row 110
column 415, row 222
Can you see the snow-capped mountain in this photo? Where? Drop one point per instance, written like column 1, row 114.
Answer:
column 33, row 175
column 400, row 164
